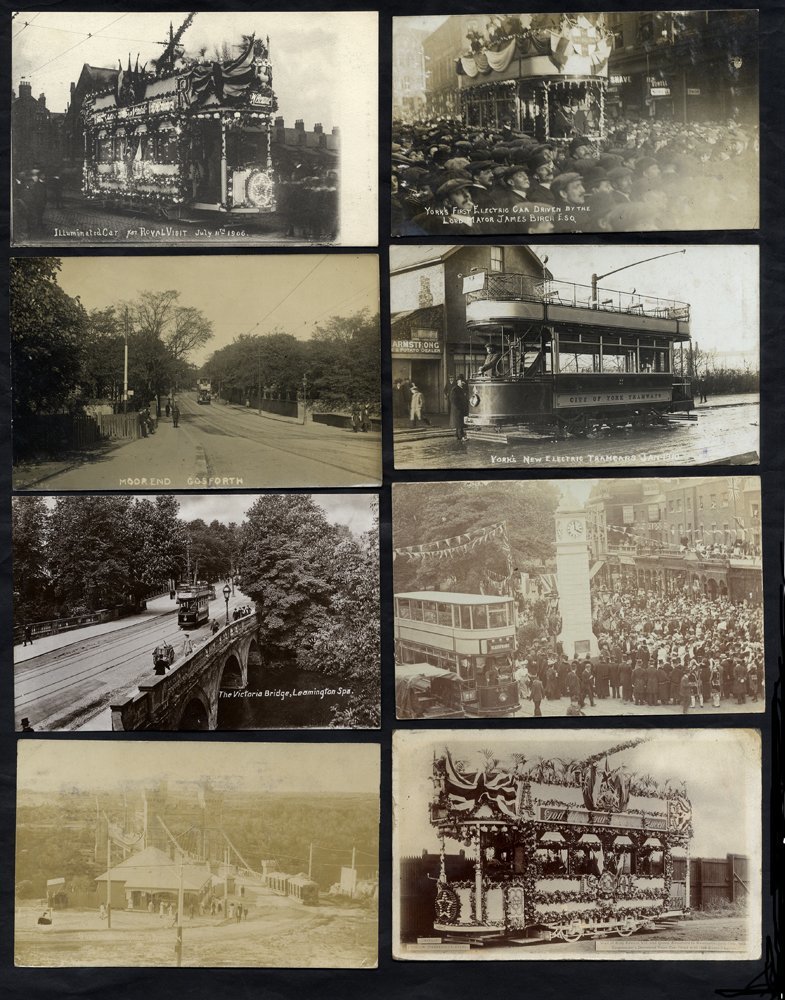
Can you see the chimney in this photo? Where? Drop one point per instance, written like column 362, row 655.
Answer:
column 279, row 122
column 300, row 125
column 73, row 87
column 25, row 89
column 318, row 128
column 42, row 100
column 336, row 130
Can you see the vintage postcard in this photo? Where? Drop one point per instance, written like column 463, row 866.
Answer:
column 171, row 128
column 272, row 861
column 577, row 844
column 196, row 612
column 528, row 598
column 575, row 122
column 196, row 372
column 583, row 356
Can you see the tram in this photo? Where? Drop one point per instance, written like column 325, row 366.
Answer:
column 454, row 655
column 556, row 358
column 582, row 850
column 191, row 134
column 193, row 604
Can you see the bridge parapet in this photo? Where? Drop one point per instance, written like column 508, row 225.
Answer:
column 159, row 702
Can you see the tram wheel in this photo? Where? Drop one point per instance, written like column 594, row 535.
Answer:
column 626, row 928
column 573, row 932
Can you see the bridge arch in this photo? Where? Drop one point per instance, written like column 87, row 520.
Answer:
column 255, row 665
column 196, row 715
column 232, row 677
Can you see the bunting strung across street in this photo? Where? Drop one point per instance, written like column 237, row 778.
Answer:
column 448, row 548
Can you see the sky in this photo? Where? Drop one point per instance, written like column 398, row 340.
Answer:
column 352, row 509
column 721, row 767
column 719, row 282
column 238, row 294
column 306, row 50
column 261, row 767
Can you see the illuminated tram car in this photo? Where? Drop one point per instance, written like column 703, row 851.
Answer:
column 193, row 604
column 581, row 853
column 454, row 655
column 570, row 359
column 192, row 135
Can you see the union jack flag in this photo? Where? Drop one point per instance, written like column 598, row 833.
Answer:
column 468, row 792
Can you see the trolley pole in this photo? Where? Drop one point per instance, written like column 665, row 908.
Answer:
column 179, row 945
column 596, row 278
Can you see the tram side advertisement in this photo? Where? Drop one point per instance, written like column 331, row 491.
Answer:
column 579, row 844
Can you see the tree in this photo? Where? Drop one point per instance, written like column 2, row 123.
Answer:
column 48, row 336
column 32, row 583
column 154, row 538
column 286, row 548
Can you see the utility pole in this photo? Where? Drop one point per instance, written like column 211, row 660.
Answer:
column 125, row 363
column 259, row 378
column 180, row 893
column 108, row 881
column 310, row 860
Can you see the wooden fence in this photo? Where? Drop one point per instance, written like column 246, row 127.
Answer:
column 55, row 434
column 714, row 881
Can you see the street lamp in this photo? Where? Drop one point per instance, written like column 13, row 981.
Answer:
column 595, row 278
column 227, row 593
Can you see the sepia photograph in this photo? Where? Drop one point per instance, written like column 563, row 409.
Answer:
column 235, row 855
column 196, row 612
column 552, row 355
column 592, row 597
column 580, row 844
column 195, row 372
column 626, row 121
column 204, row 128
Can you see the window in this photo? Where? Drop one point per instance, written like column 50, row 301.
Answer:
column 678, row 504
column 404, row 608
column 429, row 611
column 497, row 616
column 444, row 614
column 700, row 502
column 689, row 503
column 480, row 615
column 466, row 616
column 755, row 512
column 670, row 506
column 714, row 501
column 497, row 258
column 725, row 500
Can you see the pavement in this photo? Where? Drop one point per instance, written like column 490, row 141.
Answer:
column 221, row 446
column 156, row 607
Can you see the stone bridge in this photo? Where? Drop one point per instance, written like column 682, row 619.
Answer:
column 188, row 696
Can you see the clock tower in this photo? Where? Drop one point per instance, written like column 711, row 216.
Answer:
column 572, row 574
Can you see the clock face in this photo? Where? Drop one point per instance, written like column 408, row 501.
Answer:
column 575, row 529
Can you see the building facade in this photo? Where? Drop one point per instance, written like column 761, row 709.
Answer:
column 430, row 340
column 36, row 131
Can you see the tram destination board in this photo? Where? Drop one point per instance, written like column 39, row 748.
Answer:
column 576, row 844
column 206, row 136
column 575, row 122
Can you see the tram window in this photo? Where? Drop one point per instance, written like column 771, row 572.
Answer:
column 104, row 149
column 480, row 616
column 466, row 616
column 404, row 608
column 581, row 358
column 429, row 611
column 444, row 614
column 416, row 611
column 465, row 669
column 497, row 616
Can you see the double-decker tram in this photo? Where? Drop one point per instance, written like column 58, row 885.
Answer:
column 565, row 359
column 454, row 655
column 554, row 855
column 193, row 603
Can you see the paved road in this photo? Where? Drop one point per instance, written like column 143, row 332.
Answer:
column 72, row 687
column 720, row 434
column 227, row 446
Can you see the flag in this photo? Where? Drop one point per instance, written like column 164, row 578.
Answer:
column 468, row 794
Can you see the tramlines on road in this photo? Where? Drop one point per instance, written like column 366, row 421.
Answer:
column 68, row 687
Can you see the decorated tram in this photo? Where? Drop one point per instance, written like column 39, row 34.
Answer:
column 454, row 655
column 189, row 133
column 555, row 851
column 541, row 74
column 553, row 357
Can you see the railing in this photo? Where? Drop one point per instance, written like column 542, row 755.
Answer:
column 527, row 288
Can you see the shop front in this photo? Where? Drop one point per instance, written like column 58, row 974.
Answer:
column 418, row 357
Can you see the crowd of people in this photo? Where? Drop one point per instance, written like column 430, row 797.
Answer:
column 450, row 178
column 654, row 651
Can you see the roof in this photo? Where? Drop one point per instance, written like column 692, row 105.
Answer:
column 152, row 868
column 407, row 258
column 448, row 598
column 403, row 670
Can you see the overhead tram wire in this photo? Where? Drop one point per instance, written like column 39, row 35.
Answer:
column 27, row 24
column 76, row 44
column 287, row 296
column 94, row 34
